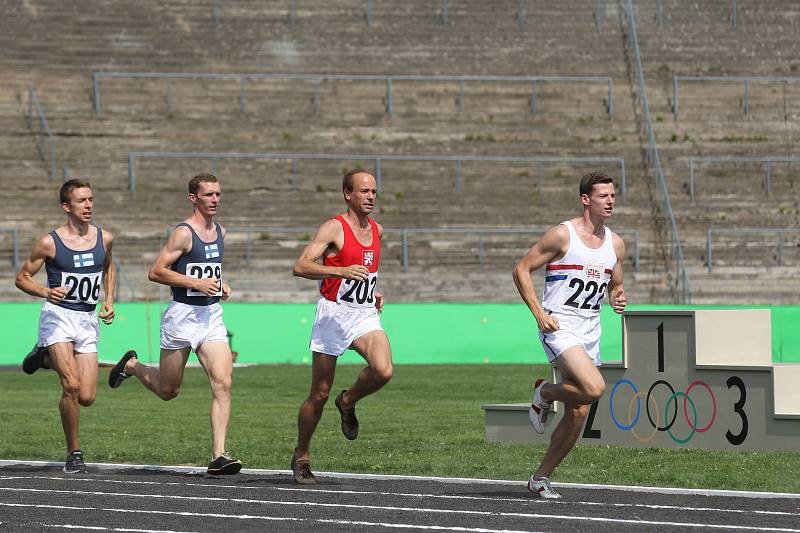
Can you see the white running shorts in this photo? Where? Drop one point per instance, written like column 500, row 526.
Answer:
column 573, row 331
column 58, row 324
column 191, row 325
column 336, row 326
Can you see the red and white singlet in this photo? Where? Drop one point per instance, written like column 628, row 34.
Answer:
column 575, row 285
column 354, row 293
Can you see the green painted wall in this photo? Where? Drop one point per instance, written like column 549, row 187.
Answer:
column 419, row 333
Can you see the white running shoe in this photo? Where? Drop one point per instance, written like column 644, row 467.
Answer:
column 539, row 408
column 542, row 488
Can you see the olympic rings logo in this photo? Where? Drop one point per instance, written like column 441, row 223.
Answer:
column 670, row 413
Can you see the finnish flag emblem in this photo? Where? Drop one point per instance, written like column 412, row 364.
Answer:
column 212, row 250
column 83, row 260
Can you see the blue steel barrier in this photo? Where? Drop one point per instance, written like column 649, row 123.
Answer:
column 45, row 141
column 680, row 280
column 316, row 80
column 745, row 80
column 780, row 232
column 14, row 246
column 768, row 160
column 377, row 159
column 404, row 232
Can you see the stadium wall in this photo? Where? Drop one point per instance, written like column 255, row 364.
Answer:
column 420, row 333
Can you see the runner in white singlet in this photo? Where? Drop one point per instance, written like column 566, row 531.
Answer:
column 583, row 261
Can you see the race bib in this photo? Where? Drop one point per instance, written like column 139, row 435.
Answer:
column 204, row 271
column 357, row 293
column 82, row 288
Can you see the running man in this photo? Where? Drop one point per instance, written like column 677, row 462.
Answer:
column 347, row 314
column 190, row 263
column 583, row 260
column 77, row 259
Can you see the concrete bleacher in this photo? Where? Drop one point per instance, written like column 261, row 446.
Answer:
column 55, row 48
column 699, row 40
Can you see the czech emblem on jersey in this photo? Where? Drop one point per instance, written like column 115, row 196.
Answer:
column 368, row 258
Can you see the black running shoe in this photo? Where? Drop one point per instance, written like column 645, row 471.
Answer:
column 349, row 420
column 117, row 374
column 75, row 464
column 34, row 360
column 224, row 465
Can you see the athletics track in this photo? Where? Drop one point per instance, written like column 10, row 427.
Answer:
column 37, row 496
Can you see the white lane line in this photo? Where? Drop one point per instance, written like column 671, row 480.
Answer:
column 101, row 528
column 379, row 508
column 387, row 477
column 277, row 519
column 534, row 501
column 449, row 528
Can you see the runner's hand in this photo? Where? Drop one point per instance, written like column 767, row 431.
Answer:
column 107, row 313
column 226, row 291
column 619, row 300
column 379, row 301
column 357, row 272
column 56, row 294
column 208, row 286
column 547, row 323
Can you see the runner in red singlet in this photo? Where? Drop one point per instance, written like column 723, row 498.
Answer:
column 347, row 314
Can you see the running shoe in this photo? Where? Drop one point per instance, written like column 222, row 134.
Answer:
column 542, row 488
column 539, row 408
column 75, row 464
column 349, row 420
column 117, row 374
column 301, row 469
column 224, row 465
column 34, row 360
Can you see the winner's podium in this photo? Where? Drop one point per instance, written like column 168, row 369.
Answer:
column 690, row 379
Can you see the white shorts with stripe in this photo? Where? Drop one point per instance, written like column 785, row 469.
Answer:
column 337, row 325
column 573, row 331
column 59, row 324
column 191, row 325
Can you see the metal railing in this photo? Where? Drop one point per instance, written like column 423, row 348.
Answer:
column 680, row 283
column 45, row 140
column 659, row 15
column 767, row 160
column 377, row 159
column 444, row 19
column 482, row 233
column 317, row 79
column 779, row 232
column 745, row 80
column 14, row 246
column 127, row 282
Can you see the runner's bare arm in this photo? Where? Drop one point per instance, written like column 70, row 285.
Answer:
column 330, row 235
column 379, row 299
column 551, row 246
column 44, row 249
column 226, row 289
column 616, row 291
column 106, row 313
column 179, row 242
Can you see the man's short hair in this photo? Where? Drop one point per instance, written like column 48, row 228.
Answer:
column 589, row 180
column 347, row 179
column 70, row 185
column 194, row 183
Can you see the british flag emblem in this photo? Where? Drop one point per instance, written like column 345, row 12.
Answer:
column 369, row 258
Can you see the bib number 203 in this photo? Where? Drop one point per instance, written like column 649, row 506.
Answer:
column 594, row 294
column 360, row 292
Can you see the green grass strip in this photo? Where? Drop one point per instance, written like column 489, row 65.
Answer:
column 427, row 421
